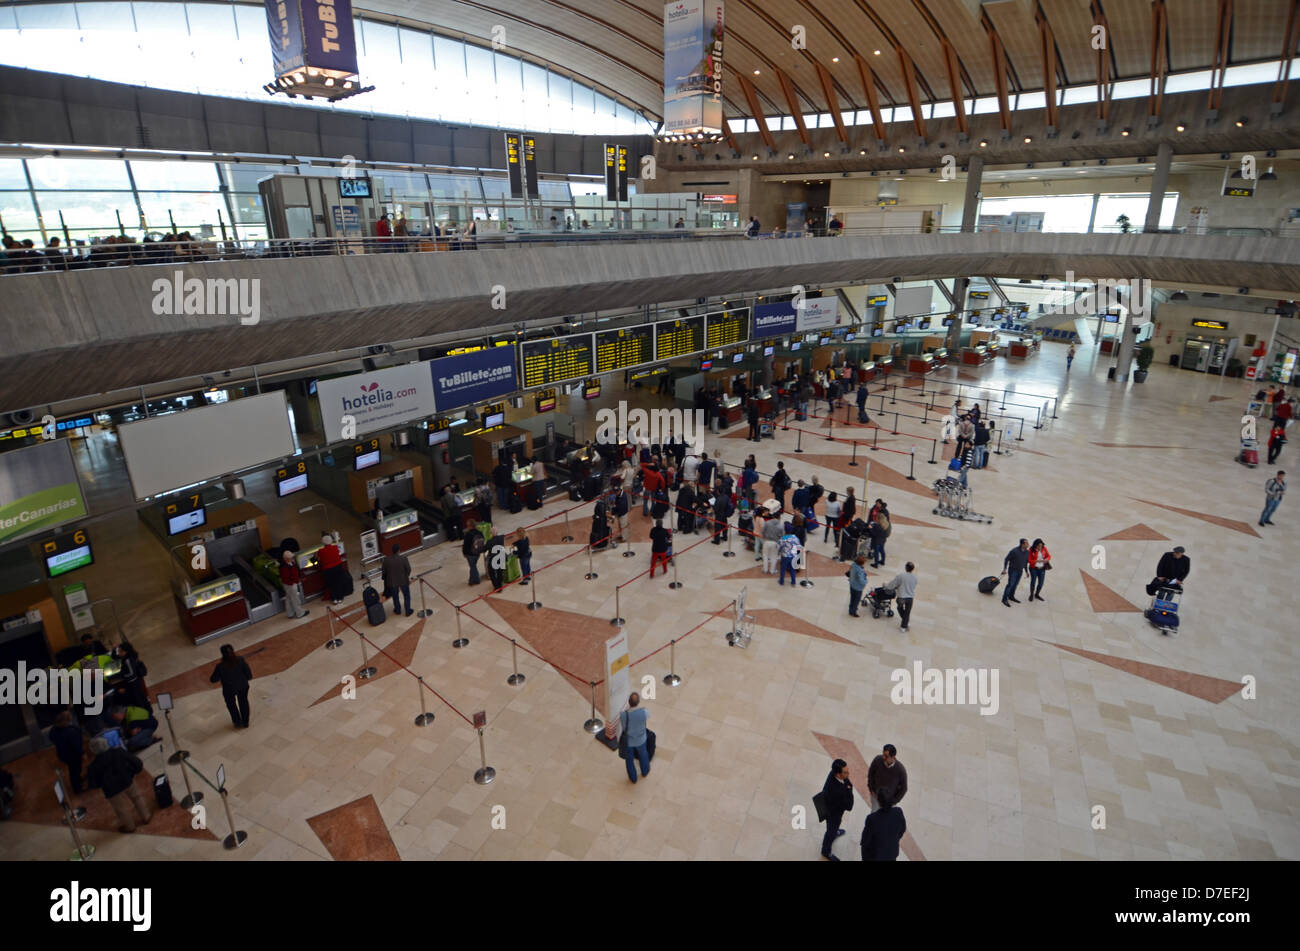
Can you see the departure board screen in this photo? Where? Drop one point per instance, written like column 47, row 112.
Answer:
column 557, row 359
column 726, row 328
column 619, row 349
column 675, row 338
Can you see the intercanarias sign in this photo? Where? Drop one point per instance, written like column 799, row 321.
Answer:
column 38, row 490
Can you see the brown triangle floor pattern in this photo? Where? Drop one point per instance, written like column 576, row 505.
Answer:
column 1213, row 689
column 575, row 642
column 400, row 651
column 881, row 472
column 837, row 747
column 784, row 621
column 1219, row 520
column 1141, row 532
column 819, row 566
column 1104, row 600
column 355, row 832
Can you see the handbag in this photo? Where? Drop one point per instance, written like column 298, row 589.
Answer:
column 1047, row 567
column 622, row 737
column 819, row 803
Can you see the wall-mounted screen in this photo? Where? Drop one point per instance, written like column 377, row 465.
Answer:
column 354, row 188
column 768, row 351
column 591, row 390
column 291, row 485
column 439, row 436
column 367, row 459
column 492, row 420
column 737, row 357
column 70, row 560
column 186, row 521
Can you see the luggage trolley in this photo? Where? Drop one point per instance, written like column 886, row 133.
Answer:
column 742, row 631
column 1163, row 612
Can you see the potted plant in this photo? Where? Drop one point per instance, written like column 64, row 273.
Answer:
column 1124, row 223
column 1145, row 354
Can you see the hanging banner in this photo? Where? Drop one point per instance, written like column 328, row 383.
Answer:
column 693, row 32
column 285, row 30
column 618, row 675
column 817, row 313
column 772, row 320
column 379, row 399
column 38, row 490
column 478, row 377
column 328, row 39
column 796, row 213
column 530, row 166
column 513, row 167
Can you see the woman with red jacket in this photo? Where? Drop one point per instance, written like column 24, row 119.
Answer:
column 1040, row 559
column 332, row 567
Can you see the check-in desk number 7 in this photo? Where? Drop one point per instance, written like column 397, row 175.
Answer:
column 1023, row 347
column 920, row 363
column 402, row 528
column 212, row 609
column 313, row 580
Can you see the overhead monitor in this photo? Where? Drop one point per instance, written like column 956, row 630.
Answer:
column 367, row 459
column 354, row 188
column 439, row 436
column 186, row 521
column 295, row 483
column 492, row 420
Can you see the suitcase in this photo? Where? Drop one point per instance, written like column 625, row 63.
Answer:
column 575, row 493
column 1162, row 618
column 515, row 505
column 987, row 585
column 376, row 614
column 162, row 792
column 370, row 596
column 650, row 745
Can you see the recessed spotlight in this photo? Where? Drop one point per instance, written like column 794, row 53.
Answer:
column 1180, row 128
column 876, row 52
column 1028, row 139
column 758, row 72
column 862, row 151
column 826, row 155
column 835, row 59
column 790, row 156
column 901, row 149
column 1242, row 121
column 1125, row 131
column 754, row 158
column 984, row 143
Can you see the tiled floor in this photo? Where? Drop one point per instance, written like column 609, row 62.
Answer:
column 1189, row 743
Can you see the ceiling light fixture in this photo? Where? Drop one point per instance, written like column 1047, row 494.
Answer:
column 1180, row 128
column 758, row 72
column 1125, row 131
column 1028, row 139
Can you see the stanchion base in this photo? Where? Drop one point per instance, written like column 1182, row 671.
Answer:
column 82, row 854
column 460, row 642
column 424, row 613
column 853, row 463
column 591, row 576
column 515, row 680
column 331, row 645
column 616, row 622
column 674, row 585
column 234, row 840
column 566, row 538
column 485, row 775
column 192, row 800
column 424, row 719
column 806, row 584
column 594, row 726
column 629, row 554
column 175, row 758
column 798, row 450
column 672, row 680
column 365, row 673
column 534, row 605
column 78, row 813
column 1020, row 439
column 911, row 478
column 728, row 554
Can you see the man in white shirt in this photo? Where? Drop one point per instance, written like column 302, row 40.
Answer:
column 904, row 588
column 691, row 468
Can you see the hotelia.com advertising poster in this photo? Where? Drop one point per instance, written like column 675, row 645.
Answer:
column 693, row 32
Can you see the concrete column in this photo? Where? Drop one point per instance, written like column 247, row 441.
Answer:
column 1126, row 347
column 974, row 182
column 1159, row 184
column 960, row 285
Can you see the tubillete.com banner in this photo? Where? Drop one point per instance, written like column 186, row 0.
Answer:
column 38, row 490
column 478, row 377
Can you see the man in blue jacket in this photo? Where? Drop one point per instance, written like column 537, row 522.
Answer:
column 882, row 832
column 837, row 799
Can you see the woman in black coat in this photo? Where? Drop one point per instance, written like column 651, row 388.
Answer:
column 234, row 674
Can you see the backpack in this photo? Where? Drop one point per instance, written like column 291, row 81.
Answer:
column 781, row 481
column 478, row 543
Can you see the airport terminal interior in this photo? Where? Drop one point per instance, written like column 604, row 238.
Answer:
column 290, row 328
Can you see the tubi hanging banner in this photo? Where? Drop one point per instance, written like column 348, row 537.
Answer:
column 285, row 29
column 311, row 34
column 693, row 32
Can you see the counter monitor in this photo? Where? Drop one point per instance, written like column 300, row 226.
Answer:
column 438, row 437
column 178, row 524
column 295, row 483
column 367, row 459
column 492, row 420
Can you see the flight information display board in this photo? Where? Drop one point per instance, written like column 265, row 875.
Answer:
column 676, row 338
column 623, row 348
column 726, row 328
column 555, row 360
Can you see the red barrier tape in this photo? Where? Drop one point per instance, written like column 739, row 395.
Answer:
column 712, row 617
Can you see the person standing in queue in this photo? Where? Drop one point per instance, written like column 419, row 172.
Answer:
column 291, row 581
column 837, row 799
column 472, row 547
column 857, row 583
column 335, row 572
column 661, row 540
column 233, row 672
column 68, row 746
column 751, row 413
column 397, row 579
column 524, row 552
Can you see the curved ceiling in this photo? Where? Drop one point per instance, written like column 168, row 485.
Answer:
column 618, row 44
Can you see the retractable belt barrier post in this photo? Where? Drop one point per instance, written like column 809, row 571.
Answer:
column 617, row 619
column 566, row 537
column 534, row 604
column 485, row 773
column 516, row 678
column 854, row 460
column 180, row 754
column 672, row 680
column 366, row 671
column 830, row 419
column 237, row 837
column 591, row 571
column 934, row 448
column 799, row 441
column 461, row 640
column 595, row 724
column 424, row 611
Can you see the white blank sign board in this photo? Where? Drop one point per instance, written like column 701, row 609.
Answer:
column 180, row 449
column 910, row 301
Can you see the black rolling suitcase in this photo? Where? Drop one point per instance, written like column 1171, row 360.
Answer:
column 989, row 584
column 375, row 612
column 515, row 505
column 162, row 792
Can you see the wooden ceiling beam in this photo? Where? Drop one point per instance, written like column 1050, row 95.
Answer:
column 909, row 85
column 954, row 85
column 1288, row 54
column 1222, row 49
column 756, row 113
column 1047, row 48
column 828, row 90
column 792, row 100
column 873, row 101
column 1099, row 22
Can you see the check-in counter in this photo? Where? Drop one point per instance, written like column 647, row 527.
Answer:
column 766, row 405
column 401, row 527
column 468, row 508
column 313, row 580
column 993, row 349
column 974, row 356
column 867, row 371
column 940, row 355
column 732, row 409
column 212, row 609
column 1022, row 348
column 920, row 363
column 884, row 365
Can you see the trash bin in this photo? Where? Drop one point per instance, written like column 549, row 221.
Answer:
column 1173, row 359
column 1110, row 375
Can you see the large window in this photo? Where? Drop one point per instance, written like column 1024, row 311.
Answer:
column 222, row 49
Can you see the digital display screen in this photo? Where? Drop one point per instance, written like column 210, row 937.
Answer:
column 555, row 360
column 66, row 561
column 291, row 485
column 354, row 187
column 677, row 338
column 768, row 351
column 737, row 357
column 725, row 329
column 824, row 341
column 623, row 348
column 311, row 388
column 591, row 390
column 545, row 404
column 706, row 364
column 947, row 321
column 492, row 420
column 187, row 520
column 849, row 337
column 367, row 459
column 878, row 331
column 796, row 345
column 1112, row 318
column 64, row 425
column 439, row 436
